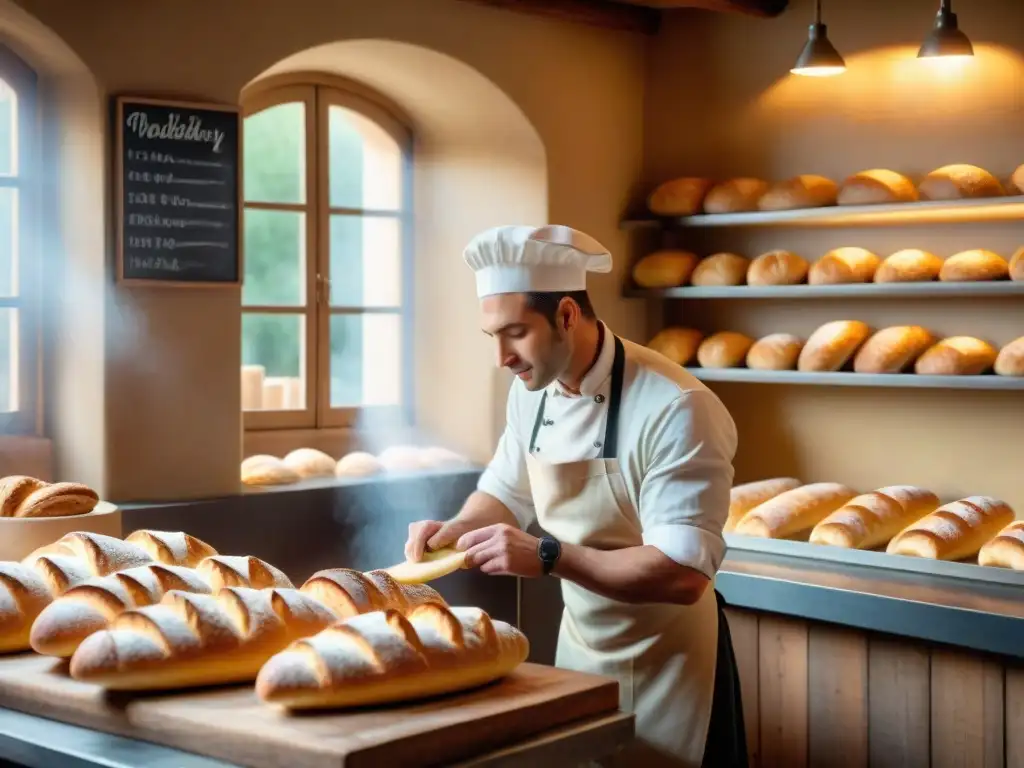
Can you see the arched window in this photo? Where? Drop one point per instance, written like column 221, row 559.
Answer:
column 325, row 300
column 19, row 254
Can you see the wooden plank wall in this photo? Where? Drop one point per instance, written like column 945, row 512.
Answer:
column 817, row 695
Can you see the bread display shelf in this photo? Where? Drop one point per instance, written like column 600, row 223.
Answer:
column 971, row 209
column 932, row 289
column 848, row 379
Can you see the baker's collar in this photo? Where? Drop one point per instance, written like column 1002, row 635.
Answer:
column 598, row 373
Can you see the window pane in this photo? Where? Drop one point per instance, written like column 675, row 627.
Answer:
column 274, row 149
column 366, row 360
column 8, row 360
column 275, row 258
column 273, row 362
column 366, row 261
column 8, row 241
column 8, row 130
column 365, row 168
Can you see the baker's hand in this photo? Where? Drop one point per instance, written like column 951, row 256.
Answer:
column 432, row 535
column 501, row 550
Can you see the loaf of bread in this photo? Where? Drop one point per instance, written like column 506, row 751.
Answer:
column 384, row 657
column 743, row 498
column 735, row 195
column 848, row 264
column 23, row 496
column 677, row 344
column 725, row 349
column 877, row 185
column 172, row 547
column 910, row 265
column 439, row 457
column 957, row 356
column 358, row 464
column 678, row 197
column 872, row 519
column 959, row 181
column 794, row 511
column 309, row 462
column 832, row 345
column 954, row 531
column 262, row 469
column 974, row 265
column 775, row 352
column 401, row 458
column 805, row 191
column 777, row 268
column 1017, row 180
column 1006, row 550
column 721, row 269
column 666, row 268
column 892, row 350
column 1016, row 266
column 1010, row 360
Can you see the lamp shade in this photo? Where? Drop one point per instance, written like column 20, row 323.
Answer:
column 819, row 58
column 945, row 39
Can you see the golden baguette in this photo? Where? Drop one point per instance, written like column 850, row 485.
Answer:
column 794, row 511
column 954, row 531
column 872, row 519
column 743, row 498
column 1006, row 550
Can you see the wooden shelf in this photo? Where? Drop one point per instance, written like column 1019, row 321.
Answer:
column 853, row 290
column 980, row 209
column 847, row 379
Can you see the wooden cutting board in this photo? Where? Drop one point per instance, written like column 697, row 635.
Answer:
column 232, row 724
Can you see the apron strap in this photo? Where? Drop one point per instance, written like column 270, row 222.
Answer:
column 726, row 743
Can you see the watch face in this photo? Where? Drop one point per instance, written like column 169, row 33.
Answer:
column 548, row 549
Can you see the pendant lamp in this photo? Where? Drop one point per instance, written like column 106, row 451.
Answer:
column 819, row 58
column 945, row 39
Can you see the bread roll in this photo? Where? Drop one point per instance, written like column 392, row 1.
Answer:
column 677, row 344
column 892, row 350
column 13, row 492
column 831, row 345
column 664, row 269
column 957, row 356
column 805, row 191
column 678, row 197
column 726, row 349
column 309, row 462
column 743, row 498
column 775, row 352
column 959, row 181
column 1016, row 265
column 1010, row 360
column 172, row 547
column 974, row 265
column 384, row 657
column 721, row 269
column 872, row 519
column 954, row 531
column 1017, row 180
column 735, row 195
column 844, row 265
column 911, row 265
column 877, row 185
column 358, row 464
column 401, row 458
column 267, row 470
column 1006, row 549
column 777, row 268
column 794, row 511
column 23, row 496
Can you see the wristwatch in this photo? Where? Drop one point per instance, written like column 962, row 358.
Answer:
column 548, row 550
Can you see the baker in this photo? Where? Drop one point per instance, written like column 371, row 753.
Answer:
column 625, row 461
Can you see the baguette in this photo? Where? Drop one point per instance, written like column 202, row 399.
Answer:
column 872, row 519
column 172, row 547
column 743, row 498
column 384, row 657
column 1006, row 549
column 954, row 531
column 794, row 511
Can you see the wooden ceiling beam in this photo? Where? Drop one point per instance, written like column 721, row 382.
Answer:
column 598, row 13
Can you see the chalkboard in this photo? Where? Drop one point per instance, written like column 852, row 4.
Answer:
column 178, row 180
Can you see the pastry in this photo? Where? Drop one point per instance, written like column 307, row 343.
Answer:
column 872, row 519
column 664, row 269
column 844, row 265
column 892, row 350
column 832, row 345
column 725, row 349
column 877, row 185
column 957, row 356
column 954, row 531
column 911, row 265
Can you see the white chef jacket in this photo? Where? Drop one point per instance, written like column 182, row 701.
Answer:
column 676, row 446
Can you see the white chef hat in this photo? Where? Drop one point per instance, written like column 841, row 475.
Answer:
column 521, row 259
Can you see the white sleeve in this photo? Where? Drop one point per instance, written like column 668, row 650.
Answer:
column 506, row 478
column 684, row 495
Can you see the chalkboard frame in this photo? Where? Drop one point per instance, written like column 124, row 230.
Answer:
column 122, row 101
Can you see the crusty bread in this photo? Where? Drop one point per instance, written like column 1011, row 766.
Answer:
column 1005, row 549
column 735, row 195
column 23, row 595
column 678, row 197
column 974, row 265
column 957, row 356
column 14, row 489
column 433, row 565
column 262, row 469
column 677, row 344
column 725, row 349
column 804, row 191
column 172, row 547
column 794, row 511
column 954, row 531
column 1017, row 180
column 1010, row 360
column 775, row 352
column 877, row 185
column 872, row 519
column 348, row 593
column 893, row 349
column 959, row 181
column 910, row 265
column 309, row 462
column 666, row 268
column 23, row 496
column 384, row 657
column 1016, row 265
column 358, row 464
column 848, row 264
column 743, row 498
column 720, row 269
column 777, row 268
column 832, row 344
